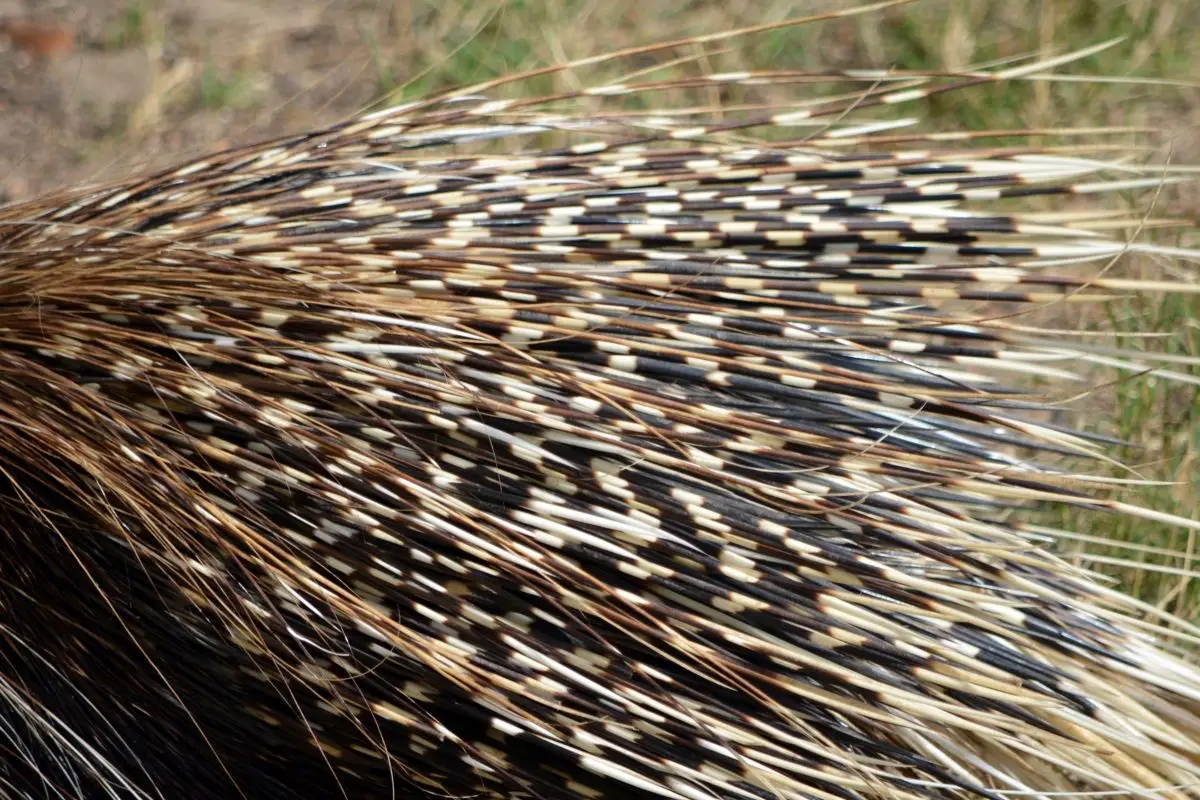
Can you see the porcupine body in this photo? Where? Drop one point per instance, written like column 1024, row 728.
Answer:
column 662, row 464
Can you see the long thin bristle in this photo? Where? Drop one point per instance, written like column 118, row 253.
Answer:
column 420, row 455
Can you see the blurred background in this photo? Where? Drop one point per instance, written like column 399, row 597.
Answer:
column 96, row 90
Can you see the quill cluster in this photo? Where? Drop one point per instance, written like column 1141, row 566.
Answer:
column 417, row 456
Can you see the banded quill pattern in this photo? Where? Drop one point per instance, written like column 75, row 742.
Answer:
column 417, row 456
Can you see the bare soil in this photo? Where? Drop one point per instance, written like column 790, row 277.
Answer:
column 99, row 89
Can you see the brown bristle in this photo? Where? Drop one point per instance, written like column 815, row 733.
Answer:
column 418, row 457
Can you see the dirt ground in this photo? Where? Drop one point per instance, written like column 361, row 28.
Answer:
column 138, row 86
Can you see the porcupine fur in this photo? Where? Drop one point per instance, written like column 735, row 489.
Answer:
column 658, row 463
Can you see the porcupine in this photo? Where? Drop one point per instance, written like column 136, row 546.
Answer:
column 655, row 463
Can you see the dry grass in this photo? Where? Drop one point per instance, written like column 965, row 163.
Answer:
column 152, row 80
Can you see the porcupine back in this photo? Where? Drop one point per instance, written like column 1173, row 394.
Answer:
column 663, row 464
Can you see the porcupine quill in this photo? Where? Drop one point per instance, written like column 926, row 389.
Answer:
column 659, row 463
